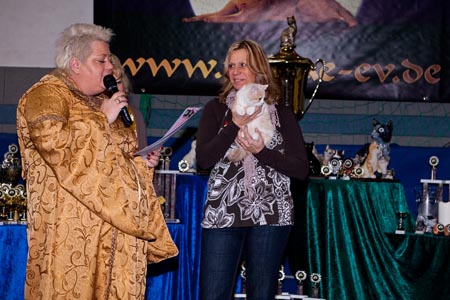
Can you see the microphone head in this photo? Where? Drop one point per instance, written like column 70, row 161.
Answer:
column 110, row 83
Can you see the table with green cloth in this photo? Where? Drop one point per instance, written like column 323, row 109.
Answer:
column 345, row 232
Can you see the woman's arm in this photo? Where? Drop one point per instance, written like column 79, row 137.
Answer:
column 212, row 144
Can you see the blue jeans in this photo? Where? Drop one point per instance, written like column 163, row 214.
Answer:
column 223, row 249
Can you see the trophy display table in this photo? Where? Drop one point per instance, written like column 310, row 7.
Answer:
column 345, row 232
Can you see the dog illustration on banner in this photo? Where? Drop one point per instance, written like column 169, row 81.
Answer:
column 305, row 11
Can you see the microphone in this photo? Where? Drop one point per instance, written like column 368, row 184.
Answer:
column 111, row 85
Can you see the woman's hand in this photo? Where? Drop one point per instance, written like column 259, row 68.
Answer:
column 153, row 159
column 111, row 107
column 245, row 140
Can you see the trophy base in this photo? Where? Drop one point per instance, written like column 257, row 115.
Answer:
column 299, row 297
column 8, row 222
column 283, row 296
column 171, row 221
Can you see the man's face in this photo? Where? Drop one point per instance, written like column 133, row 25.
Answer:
column 91, row 72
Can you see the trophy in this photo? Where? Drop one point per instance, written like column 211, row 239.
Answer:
column 281, row 276
column 243, row 293
column 315, row 280
column 291, row 71
column 13, row 197
column 429, row 200
column 165, row 185
column 300, row 276
column 401, row 216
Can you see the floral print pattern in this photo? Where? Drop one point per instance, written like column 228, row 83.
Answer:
column 232, row 203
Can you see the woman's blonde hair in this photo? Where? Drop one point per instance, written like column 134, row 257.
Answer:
column 119, row 73
column 258, row 64
column 76, row 40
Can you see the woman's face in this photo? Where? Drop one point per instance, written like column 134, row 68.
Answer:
column 91, row 72
column 238, row 70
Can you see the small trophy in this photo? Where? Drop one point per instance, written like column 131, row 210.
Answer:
column 243, row 293
column 281, row 276
column 401, row 215
column 315, row 280
column 300, row 276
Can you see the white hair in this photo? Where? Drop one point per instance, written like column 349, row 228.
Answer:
column 75, row 41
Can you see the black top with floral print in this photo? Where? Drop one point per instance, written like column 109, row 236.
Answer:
column 267, row 198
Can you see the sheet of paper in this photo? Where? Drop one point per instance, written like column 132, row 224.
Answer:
column 187, row 114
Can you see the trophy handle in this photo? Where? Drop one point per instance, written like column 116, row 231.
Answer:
column 314, row 67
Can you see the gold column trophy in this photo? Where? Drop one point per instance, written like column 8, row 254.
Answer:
column 291, row 71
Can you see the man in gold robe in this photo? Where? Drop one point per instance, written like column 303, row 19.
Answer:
column 94, row 222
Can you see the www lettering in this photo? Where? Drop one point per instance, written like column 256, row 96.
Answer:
column 170, row 67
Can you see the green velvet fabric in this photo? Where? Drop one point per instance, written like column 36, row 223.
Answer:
column 344, row 231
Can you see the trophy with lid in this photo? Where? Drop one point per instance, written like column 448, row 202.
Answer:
column 429, row 199
column 291, row 71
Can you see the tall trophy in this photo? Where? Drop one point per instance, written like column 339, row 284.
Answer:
column 291, row 71
column 165, row 182
column 429, row 199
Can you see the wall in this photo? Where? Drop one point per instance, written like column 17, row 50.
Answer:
column 28, row 29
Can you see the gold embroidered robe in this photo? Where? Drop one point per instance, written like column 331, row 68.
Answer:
column 94, row 222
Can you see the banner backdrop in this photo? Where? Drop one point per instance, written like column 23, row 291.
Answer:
column 373, row 49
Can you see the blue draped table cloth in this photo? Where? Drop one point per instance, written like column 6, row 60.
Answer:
column 176, row 278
